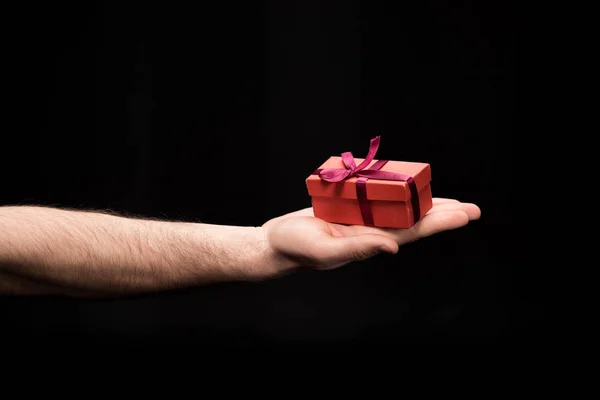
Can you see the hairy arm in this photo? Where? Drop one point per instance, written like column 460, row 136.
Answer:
column 47, row 250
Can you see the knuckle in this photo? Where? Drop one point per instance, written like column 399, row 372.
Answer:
column 359, row 254
column 356, row 251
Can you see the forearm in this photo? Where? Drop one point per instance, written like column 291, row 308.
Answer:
column 86, row 252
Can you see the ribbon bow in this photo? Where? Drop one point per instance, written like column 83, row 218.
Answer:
column 338, row 174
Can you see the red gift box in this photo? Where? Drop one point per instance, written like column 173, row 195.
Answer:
column 381, row 193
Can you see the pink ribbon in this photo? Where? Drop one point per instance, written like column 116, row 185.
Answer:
column 338, row 174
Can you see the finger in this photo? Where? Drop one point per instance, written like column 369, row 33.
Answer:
column 470, row 209
column 433, row 224
column 342, row 250
column 355, row 230
column 442, row 200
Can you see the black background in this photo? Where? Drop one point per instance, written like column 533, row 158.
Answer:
column 217, row 112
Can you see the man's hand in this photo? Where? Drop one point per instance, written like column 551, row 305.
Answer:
column 299, row 239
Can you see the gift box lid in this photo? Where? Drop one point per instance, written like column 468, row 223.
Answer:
column 376, row 189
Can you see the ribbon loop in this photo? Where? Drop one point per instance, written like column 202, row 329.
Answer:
column 348, row 160
column 373, row 147
column 334, row 175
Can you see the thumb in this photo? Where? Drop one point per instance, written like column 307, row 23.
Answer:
column 359, row 247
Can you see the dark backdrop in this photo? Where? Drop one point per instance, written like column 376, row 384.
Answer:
column 130, row 106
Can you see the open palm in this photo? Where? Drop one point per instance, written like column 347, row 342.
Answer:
column 300, row 239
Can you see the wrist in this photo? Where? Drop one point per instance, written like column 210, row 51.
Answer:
column 238, row 253
column 275, row 261
column 265, row 261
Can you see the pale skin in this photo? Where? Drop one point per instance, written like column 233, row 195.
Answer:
column 93, row 254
